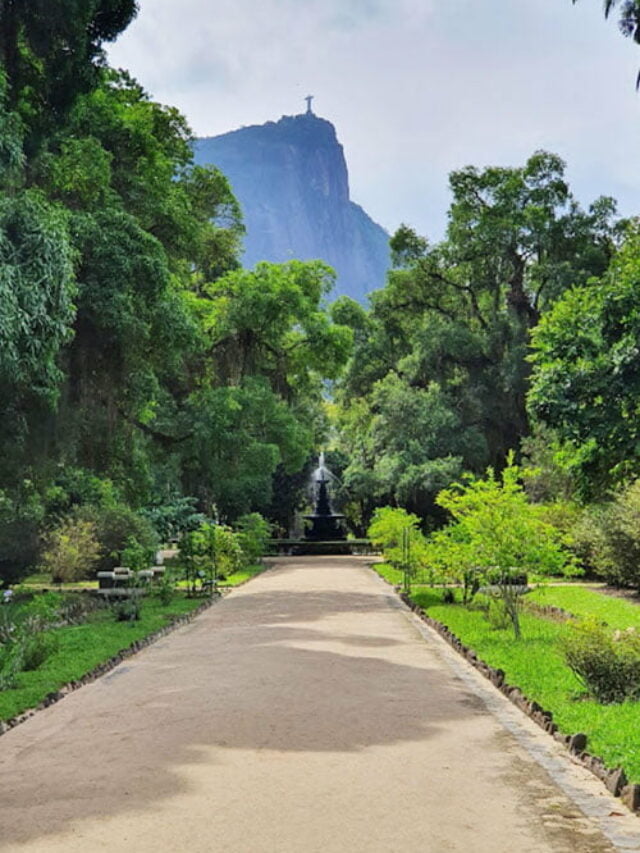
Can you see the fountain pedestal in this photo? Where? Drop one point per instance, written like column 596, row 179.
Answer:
column 326, row 533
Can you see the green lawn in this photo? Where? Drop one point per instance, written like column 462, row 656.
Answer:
column 390, row 574
column 536, row 666
column 243, row 575
column 81, row 648
column 616, row 612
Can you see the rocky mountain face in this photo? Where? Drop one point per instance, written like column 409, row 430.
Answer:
column 291, row 179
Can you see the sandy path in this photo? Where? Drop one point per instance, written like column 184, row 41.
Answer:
column 303, row 713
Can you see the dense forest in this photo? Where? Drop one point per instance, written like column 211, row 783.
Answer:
column 150, row 381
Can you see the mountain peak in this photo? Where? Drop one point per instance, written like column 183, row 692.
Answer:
column 290, row 177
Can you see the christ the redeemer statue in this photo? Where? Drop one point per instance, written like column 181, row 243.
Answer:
column 308, row 99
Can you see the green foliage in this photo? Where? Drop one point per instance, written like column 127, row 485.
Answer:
column 71, row 550
column 253, row 532
column 174, row 517
column 386, row 531
column 128, row 609
column 136, row 556
column 585, row 383
column 211, row 552
column 609, row 538
column 36, row 291
column 496, row 531
column 25, row 649
column 606, row 662
column 21, row 514
column 117, row 525
column 166, row 588
column 439, row 375
column 51, row 54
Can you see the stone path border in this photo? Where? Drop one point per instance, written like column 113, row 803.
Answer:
column 614, row 779
column 106, row 666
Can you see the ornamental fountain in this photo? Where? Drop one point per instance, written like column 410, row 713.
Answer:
column 326, row 530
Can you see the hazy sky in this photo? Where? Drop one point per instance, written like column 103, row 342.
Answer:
column 415, row 88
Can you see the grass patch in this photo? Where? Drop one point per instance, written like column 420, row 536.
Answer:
column 82, row 647
column 616, row 612
column 243, row 575
column 388, row 572
column 536, row 666
column 42, row 580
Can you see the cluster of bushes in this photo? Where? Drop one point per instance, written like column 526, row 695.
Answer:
column 214, row 551
column 81, row 524
column 606, row 662
column 494, row 537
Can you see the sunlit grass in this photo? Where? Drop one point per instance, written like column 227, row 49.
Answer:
column 535, row 664
column 82, row 647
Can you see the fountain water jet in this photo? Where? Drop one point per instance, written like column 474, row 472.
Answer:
column 327, row 527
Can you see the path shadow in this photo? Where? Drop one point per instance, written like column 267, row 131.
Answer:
column 257, row 672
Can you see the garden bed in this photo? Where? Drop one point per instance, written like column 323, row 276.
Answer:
column 534, row 669
column 85, row 652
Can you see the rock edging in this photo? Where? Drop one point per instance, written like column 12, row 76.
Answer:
column 105, row 667
column 615, row 779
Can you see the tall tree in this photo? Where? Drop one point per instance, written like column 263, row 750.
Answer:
column 452, row 327
column 585, row 382
column 51, row 52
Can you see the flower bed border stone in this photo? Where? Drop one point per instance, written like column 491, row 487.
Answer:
column 107, row 665
column 614, row 779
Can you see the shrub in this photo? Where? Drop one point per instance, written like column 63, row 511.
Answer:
column 496, row 530
column 71, row 550
column 25, row 650
column 117, row 524
column 75, row 609
column 166, row 589
column 610, row 538
column 606, row 662
column 43, row 610
column 128, row 609
column 37, row 647
column 174, row 517
column 10, row 664
column 497, row 614
column 136, row 556
column 253, row 534
column 211, row 552
column 397, row 532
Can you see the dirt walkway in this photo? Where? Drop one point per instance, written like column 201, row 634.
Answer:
column 305, row 712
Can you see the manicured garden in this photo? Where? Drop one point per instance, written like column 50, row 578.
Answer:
column 535, row 663
column 71, row 651
column 50, row 637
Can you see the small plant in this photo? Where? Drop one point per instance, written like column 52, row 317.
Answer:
column 27, row 650
column 606, row 662
column 166, row 589
column 11, row 656
column 253, row 534
column 75, row 609
column 136, row 556
column 37, row 648
column 128, row 609
column 71, row 550
column 497, row 614
column 448, row 596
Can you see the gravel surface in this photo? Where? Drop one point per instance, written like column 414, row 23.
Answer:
column 307, row 711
